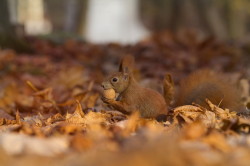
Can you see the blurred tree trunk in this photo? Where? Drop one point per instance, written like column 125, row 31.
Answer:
column 8, row 37
column 175, row 14
column 226, row 19
column 74, row 9
column 157, row 14
column 65, row 15
column 5, row 25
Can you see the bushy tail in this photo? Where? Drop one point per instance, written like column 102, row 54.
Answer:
column 206, row 84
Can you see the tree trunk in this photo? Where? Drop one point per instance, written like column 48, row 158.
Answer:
column 5, row 25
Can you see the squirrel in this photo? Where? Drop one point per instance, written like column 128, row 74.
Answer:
column 196, row 88
column 132, row 96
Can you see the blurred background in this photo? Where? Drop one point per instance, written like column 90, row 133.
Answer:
column 123, row 21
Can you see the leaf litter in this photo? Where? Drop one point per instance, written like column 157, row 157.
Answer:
column 51, row 112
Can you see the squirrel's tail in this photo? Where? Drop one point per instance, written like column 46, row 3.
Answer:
column 206, row 84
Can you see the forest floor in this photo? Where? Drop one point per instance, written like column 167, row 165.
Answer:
column 51, row 111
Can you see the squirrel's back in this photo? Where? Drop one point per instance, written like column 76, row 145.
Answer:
column 206, row 84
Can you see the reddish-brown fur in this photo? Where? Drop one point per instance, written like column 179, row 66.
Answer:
column 148, row 102
column 196, row 88
column 206, row 84
column 133, row 97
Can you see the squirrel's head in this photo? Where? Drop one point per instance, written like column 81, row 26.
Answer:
column 118, row 81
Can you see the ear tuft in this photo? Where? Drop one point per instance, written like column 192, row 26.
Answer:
column 125, row 76
column 127, row 62
column 125, row 70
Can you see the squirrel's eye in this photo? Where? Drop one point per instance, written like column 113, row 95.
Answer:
column 115, row 79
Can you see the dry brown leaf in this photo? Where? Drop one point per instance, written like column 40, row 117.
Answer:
column 55, row 118
column 4, row 114
column 189, row 114
column 69, row 78
column 218, row 141
column 8, row 96
column 194, row 130
column 77, row 116
column 18, row 118
column 131, row 124
column 222, row 113
column 92, row 100
column 81, row 142
column 70, row 128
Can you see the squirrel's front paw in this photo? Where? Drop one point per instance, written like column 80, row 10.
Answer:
column 107, row 101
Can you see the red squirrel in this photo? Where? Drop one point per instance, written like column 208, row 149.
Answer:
column 197, row 87
column 132, row 96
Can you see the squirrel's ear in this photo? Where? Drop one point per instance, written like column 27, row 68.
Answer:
column 125, row 71
column 120, row 67
column 127, row 62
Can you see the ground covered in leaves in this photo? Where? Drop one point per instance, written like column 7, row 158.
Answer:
column 51, row 110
